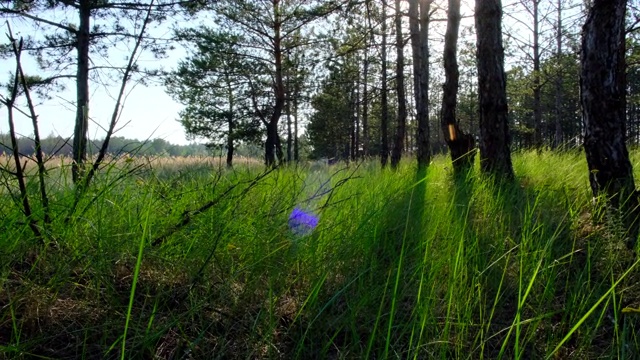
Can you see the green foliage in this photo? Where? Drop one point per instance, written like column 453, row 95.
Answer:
column 212, row 84
column 633, row 88
column 520, row 97
column 401, row 264
column 328, row 129
column 330, row 126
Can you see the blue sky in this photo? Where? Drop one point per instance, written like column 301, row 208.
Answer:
column 148, row 111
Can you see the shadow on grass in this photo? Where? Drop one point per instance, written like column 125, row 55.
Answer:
column 538, row 274
column 400, row 257
column 365, row 308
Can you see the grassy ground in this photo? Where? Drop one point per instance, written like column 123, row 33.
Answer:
column 401, row 265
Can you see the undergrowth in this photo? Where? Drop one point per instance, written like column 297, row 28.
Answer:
column 406, row 264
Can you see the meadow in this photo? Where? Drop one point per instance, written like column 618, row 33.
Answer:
column 188, row 259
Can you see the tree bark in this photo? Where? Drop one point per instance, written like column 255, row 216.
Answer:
column 230, row 123
column 289, row 124
column 419, row 28
column 357, row 102
column 82, row 92
column 602, row 96
column 495, row 156
column 296, row 151
column 273, row 139
column 461, row 145
column 270, row 145
column 353, row 137
column 365, row 107
column 537, row 86
column 384, row 121
column 558, row 124
column 401, row 119
column 365, row 85
column 279, row 151
column 230, row 147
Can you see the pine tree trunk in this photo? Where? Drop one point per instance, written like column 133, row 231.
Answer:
column 384, row 121
column 365, row 85
column 273, row 139
column 602, row 96
column 461, row 145
column 82, row 92
column 230, row 148
column 365, row 108
column 356, row 150
column 495, row 156
column 419, row 28
column 558, row 131
column 230, row 123
column 401, row 120
column 352, row 126
column 279, row 151
column 537, row 86
column 289, row 131
column 296, row 151
column 270, row 145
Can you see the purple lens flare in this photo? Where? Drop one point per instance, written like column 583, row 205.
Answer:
column 302, row 222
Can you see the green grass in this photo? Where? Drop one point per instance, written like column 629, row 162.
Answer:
column 403, row 265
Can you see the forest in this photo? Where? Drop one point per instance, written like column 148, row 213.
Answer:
column 366, row 179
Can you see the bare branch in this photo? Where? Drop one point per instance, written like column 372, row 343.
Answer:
column 39, row 19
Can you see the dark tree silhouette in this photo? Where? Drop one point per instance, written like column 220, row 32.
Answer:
column 461, row 145
column 495, row 156
column 602, row 96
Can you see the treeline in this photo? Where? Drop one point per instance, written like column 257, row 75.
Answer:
column 57, row 145
column 542, row 84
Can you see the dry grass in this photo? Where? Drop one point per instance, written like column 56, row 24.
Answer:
column 157, row 162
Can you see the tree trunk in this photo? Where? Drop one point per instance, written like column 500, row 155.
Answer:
column 461, row 145
column 602, row 96
column 384, row 121
column 296, row 151
column 273, row 139
column 279, row 151
column 289, row 129
column 558, row 130
column 365, row 107
column 270, row 145
column 365, row 85
column 419, row 28
column 401, row 120
column 230, row 123
column 230, row 148
column 352, row 125
column 356, row 152
column 82, row 92
column 495, row 156
column 537, row 86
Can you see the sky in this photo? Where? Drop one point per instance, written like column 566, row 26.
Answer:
column 148, row 111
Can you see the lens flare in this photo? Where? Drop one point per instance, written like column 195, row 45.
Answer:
column 302, row 222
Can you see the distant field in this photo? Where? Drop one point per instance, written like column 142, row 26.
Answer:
column 402, row 264
column 54, row 162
